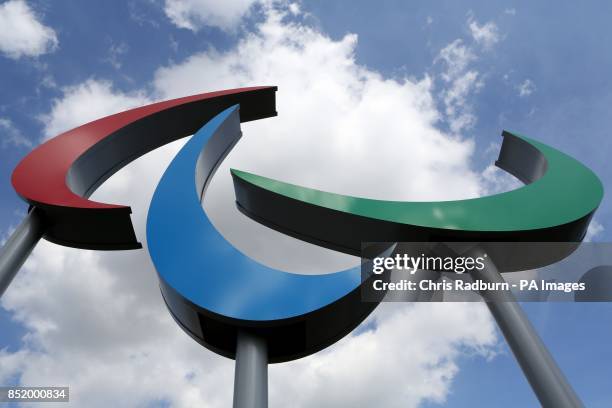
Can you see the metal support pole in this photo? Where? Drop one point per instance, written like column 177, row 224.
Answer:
column 251, row 376
column 18, row 247
column 545, row 377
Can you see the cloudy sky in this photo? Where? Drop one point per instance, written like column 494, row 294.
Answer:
column 381, row 99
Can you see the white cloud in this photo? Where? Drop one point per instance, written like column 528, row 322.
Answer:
column 510, row 11
column 457, row 56
column 6, row 234
column 11, row 136
column 294, row 8
column 460, row 79
column 85, row 102
column 140, row 15
column 499, row 181
column 389, row 366
column 455, row 100
column 526, row 88
column 195, row 14
column 486, row 35
column 22, row 34
column 460, row 83
column 115, row 52
column 594, row 230
column 96, row 320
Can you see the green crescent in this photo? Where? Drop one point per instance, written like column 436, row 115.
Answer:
column 556, row 203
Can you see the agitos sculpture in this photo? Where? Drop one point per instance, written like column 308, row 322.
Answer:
column 259, row 315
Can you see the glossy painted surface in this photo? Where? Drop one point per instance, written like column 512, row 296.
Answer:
column 193, row 258
column 41, row 176
column 58, row 176
column 566, row 192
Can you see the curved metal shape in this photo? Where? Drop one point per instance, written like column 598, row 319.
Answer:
column 59, row 175
column 556, row 205
column 213, row 290
column 598, row 284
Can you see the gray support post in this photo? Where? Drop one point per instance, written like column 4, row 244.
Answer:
column 545, row 377
column 251, row 376
column 18, row 247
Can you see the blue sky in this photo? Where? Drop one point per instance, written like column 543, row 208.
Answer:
column 539, row 69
